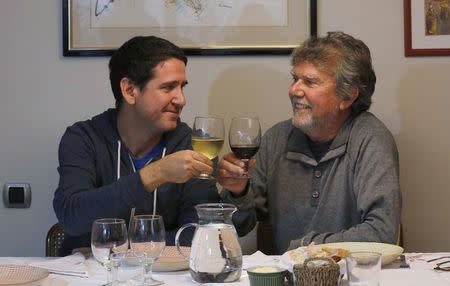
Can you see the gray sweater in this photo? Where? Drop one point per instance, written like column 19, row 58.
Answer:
column 351, row 194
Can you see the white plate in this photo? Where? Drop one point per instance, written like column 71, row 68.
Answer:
column 11, row 274
column 287, row 261
column 171, row 260
column 389, row 252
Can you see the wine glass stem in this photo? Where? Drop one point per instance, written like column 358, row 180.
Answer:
column 114, row 263
column 109, row 276
column 148, row 268
column 246, row 163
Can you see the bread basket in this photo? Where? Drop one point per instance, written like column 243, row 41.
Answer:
column 317, row 271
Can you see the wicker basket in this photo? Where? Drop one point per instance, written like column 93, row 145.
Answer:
column 318, row 271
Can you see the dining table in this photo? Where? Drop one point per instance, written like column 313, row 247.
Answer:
column 420, row 272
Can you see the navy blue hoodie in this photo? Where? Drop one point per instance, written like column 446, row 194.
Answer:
column 89, row 189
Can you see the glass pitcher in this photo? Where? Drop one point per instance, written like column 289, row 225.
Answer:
column 216, row 255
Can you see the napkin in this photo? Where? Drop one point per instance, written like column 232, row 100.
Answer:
column 72, row 265
column 415, row 277
column 419, row 260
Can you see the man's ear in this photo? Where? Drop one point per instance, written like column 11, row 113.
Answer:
column 128, row 90
column 345, row 104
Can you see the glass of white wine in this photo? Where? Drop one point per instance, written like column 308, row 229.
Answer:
column 207, row 138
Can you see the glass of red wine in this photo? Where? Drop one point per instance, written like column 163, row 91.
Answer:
column 245, row 138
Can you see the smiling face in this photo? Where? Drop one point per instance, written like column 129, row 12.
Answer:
column 318, row 110
column 159, row 103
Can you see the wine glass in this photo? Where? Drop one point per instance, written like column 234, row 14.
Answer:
column 109, row 235
column 244, row 139
column 207, row 138
column 147, row 235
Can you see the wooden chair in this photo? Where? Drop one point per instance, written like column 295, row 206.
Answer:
column 54, row 241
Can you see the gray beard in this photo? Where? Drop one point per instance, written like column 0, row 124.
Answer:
column 313, row 125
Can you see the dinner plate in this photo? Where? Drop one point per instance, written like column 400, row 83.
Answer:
column 171, row 260
column 11, row 274
column 298, row 256
column 389, row 252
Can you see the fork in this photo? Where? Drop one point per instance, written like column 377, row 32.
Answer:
column 434, row 259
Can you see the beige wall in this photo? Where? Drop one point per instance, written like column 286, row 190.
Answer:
column 42, row 92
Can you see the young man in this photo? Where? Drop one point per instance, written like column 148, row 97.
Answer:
column 331, row 172
column 138, row 156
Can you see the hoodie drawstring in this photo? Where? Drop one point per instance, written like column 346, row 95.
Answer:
column 156, row 189
column 118, row 159
column 155, row 192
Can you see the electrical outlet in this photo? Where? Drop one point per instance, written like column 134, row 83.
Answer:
column 17, row 195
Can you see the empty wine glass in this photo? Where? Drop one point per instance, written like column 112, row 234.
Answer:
column 207, row 138
column 109, row 235
column 244, row 139
column 147, row 235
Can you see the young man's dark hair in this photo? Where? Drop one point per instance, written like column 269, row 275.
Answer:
column 137, row 58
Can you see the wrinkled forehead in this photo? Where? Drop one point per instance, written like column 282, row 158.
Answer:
column 324, row 59
column 327, row 68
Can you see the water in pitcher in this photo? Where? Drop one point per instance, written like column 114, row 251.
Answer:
column 216, row 255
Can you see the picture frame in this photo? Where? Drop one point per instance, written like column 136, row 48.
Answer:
column 426, row 28
column 219, row 27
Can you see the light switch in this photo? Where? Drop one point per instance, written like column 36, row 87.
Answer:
column 17, row 195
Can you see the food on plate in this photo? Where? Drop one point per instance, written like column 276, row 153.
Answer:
column 299, row 255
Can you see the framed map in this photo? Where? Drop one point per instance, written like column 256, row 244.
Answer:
column 199, row 27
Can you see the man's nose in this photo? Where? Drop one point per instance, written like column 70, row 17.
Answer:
column 297, row 90
column 179, row 98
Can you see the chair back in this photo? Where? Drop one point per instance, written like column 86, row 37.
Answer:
column 54, row 241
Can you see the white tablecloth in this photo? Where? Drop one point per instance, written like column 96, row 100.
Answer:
column 421, row 273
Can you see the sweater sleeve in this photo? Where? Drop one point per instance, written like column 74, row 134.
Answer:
column 82, row 196
column 376, row 189
column 244, row 219
column 253, row 205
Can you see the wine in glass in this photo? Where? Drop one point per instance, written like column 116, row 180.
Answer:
column 148, row 236
column 109, row 235
column 244, row 139
column 207, row 138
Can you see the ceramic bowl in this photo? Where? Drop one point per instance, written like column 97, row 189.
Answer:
column 267, row 275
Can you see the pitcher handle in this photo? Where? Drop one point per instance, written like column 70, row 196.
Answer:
column 177, row 236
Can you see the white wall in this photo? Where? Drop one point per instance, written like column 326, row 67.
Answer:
column 42, row 92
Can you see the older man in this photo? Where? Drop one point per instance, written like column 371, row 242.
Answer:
column 331, row 172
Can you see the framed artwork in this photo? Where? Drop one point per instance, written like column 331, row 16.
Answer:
column 427, row 27
column 199, row 27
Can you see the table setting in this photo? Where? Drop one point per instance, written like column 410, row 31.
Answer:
column 138, row 256
column 420, row 272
